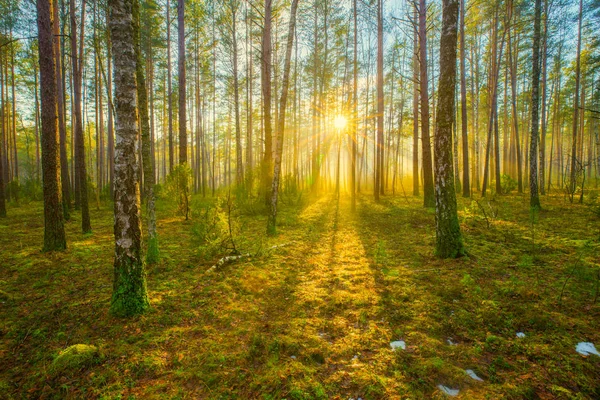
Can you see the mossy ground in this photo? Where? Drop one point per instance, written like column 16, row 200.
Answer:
column 313, row 319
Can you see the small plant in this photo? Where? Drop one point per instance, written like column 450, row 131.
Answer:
column 216, row 228
column 508, row 184
column 177, row 188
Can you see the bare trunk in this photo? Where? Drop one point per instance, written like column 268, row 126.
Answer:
column 54, row 230
column 272, row 222
column 448, row 237
column 130, row 296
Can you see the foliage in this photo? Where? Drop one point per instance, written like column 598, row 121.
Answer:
column 508, row 184
column 177, row 188
column 216, row 227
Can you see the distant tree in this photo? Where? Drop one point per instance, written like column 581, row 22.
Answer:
column 81, row 191
column 573, row 170
column 429, row 196
column 62, row 129
column 130, row 296
column 2, row 196
column 535, row 109
column 147, row 164
column 182, row 82
column 265, row 73
column 378, row 188
column 54, row 230
column 448, row 237
column 272, row 221
column 463, row 105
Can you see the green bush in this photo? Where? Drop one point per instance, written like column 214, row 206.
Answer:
column 508, row 184
column 177, row 188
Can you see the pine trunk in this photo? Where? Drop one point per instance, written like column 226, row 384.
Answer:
column 54, row 230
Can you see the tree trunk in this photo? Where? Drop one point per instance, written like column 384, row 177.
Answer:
column 130, row 296
column 64, row 165
column 535, row 105
column 272, row 222
column 182, row 83
column 542, row 166
column 80, row 167
column 266, row 91
column 463, row 108
column 239, row 162
column 573, row 171
column 448, row 237
column 429, row 196
column 170, row 89
column 415, row 108
column 378, row 189
column 355, row 109
column 54, row 230
column 148, row 168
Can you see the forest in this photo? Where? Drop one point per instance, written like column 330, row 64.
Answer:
column 299, row 199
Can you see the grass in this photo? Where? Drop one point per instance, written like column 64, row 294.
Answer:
column 313, row 319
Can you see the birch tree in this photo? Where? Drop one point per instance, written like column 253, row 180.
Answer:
column 130, row 295
column 448, row 237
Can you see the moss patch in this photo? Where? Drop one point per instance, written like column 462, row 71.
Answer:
column 74, row 358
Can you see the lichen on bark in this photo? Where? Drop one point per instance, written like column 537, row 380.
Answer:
column 130, row 295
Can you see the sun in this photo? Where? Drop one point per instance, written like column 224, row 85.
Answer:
column 340, row 122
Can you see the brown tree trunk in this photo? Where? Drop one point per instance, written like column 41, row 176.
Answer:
column 415, row 159
column 378, row 189
column 272, row 222
column 148, row 168
column 535, row 105
column 429, row 196
column 64, row 165
column 573, row 171
column 448, row 237
column 80, row 167
column 463, row 107
column 54, row 230
column 182, row 82
column 266, row 91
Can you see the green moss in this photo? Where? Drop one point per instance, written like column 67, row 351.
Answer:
column 153, row 253
column 130, row 295
column 74, row 358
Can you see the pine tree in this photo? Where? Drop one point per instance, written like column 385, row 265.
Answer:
column 54, row 230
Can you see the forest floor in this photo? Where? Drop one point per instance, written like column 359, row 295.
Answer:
column 314, row 317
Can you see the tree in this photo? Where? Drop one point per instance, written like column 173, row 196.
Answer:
column 2, row 196
column 130, row 295
column 54, row 230
column 573, row 175
column 272, row 221
column 463, row 105
column 62, row 129
column 265, row 73
column 416, row 107
column 81, row 191
column 182, row 82
column 380, row 105
column 535, row 105
column 147, row 164
column 355, row 108
column 448, row 237
column 429, row 196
